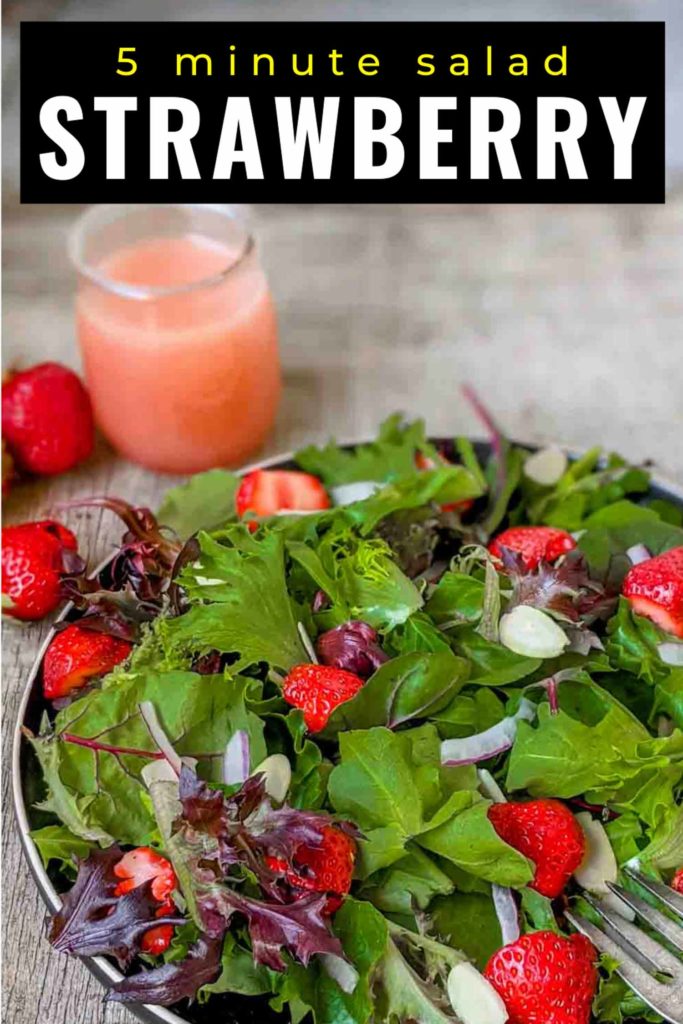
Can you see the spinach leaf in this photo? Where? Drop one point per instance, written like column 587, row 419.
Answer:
column 410, row 884
column 468, row 921
column 468, row 713
column 470, row 841
column 610, row 532
column 205, row 502
column 410, row 686
column 418, row 633
column 456, row 599
column 492, row 664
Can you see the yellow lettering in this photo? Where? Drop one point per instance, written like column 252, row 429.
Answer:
column 258, row 57
column 295, row 65
column 194, row 58
column 519, row 65
column 460, row 64
column 426, row 61
column 367, row 63
column 562, row 57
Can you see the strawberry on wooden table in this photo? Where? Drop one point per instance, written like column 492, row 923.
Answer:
column 33, row 558
column 146, row 865
column 654, row 588
column 544, row 978
column 77, row 655
column 47, row 419
column 318, row 690
column 533, row 543
column 324, row 868
column 264, row 492
column 548, row 834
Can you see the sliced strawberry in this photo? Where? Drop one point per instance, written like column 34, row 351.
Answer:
column 544, row 978
column 267, row 491
column 318, row 690
column 533, row 543
column 144, row 865
column 325, row 868
column 33, row 558
column 547, row 833
column 654, row 588
column 76, row 655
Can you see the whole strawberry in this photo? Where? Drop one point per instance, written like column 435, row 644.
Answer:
column 324, row 868
column 654, row 588
column 544, row 978
column 76, row 655
column 32, row 562
column 47, row 419
column 547, row 833
column 145, row 865
column 533, row 543
column 318, row 690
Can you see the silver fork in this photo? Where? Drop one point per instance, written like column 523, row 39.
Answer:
column 639, row 955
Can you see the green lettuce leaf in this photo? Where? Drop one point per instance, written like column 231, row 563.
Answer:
column 205, row 502
column 586, row 487
column 102, row 787
column 468, row 921
column 391, row 455
column 610, row 532
column 57, row 843
column 632, row 643
column 239, row 601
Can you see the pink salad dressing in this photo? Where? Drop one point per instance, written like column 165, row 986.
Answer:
column 188, row 380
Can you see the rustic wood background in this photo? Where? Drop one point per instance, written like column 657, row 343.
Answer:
column 569, row 321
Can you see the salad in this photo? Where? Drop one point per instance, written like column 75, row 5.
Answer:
column 350, row 737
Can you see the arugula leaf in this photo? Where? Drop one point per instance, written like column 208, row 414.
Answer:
column 100, row 745
column 360, row 579
column 56, row 842
column 239, row 601
column 410, row 686
column 391, row 455
column 470, row 841
column 205, row 502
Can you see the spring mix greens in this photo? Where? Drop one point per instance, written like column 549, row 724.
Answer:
column 464, row 696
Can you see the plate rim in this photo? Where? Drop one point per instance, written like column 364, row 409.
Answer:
column 99, row 966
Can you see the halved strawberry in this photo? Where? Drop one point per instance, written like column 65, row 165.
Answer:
column 654, row 588
column 533, row 543
column 144, row 865
column 318, row 690
column 547, row 833
column 324, row 868
column 76, row 655
column 267, row 491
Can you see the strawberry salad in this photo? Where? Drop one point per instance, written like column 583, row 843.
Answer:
column 349, row 738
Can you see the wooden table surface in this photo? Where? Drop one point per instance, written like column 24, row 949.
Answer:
column 569, row 321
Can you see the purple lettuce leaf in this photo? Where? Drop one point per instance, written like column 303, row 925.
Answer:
column 168, row 984
column 301, row 927
column 353, row 646
column 93, row 920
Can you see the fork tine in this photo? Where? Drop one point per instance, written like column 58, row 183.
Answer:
column 671, row 899
column 662, row 924
column 667, row 1000
column 612, row 931
column 638, row 939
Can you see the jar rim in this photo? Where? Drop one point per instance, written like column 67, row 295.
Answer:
column 90, row 216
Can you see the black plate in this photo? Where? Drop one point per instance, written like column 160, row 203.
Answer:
column 26, row 782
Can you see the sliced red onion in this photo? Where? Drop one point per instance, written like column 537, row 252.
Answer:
column 638, row 553
column 346, row 494
column 151, row 720
column 308, row 643
column 483, row 745
column 236, row 759
column 341, row 971
column 506, row 912
column 671, row 653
